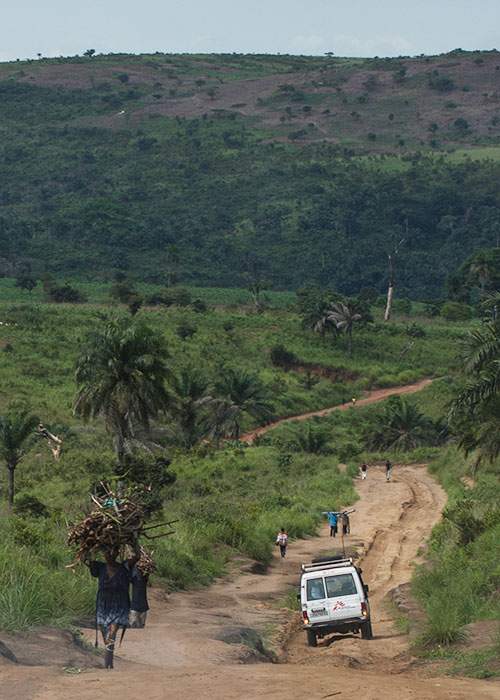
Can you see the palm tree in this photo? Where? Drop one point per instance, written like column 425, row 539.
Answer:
column 482, row 364
column 16, row 427
column 121, row 376
column 191, row 395
column 343, row 317
column 240, row 393
column 475, row 413
column 401, row 425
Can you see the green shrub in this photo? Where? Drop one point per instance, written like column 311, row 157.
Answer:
column 455, row 311
column 402, row 306
column 30, row 505
column 66, row 294
column 281, row 357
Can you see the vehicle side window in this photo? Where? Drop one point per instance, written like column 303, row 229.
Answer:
column 315, row 589
column 342, row 584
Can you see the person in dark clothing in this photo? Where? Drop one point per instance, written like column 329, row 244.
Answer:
column 139, row 605
column 112, row 602
column 388, row 470
column 346, row 524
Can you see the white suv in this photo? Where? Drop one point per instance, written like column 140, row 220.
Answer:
column 334, row 599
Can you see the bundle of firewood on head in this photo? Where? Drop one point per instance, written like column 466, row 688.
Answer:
column 115, row 524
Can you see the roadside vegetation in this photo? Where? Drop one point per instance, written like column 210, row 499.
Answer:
column 458, row 588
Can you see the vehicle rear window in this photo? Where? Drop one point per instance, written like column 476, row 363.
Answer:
column 315, row 589
column 342, row 584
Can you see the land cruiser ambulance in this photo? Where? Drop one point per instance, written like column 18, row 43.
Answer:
column 334, row 598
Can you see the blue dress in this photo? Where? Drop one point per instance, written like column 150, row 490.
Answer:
column 113, row 602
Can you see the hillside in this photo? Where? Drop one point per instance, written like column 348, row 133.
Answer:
column 214, row 168
column 401, row 102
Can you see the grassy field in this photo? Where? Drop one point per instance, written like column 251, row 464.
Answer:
column 230, row 500
column 40, row 343
column 98, row 293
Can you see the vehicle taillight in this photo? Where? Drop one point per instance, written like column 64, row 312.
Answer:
column 364, row 609
column 304, row 615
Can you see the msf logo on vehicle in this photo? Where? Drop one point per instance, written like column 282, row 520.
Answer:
column 338, row 605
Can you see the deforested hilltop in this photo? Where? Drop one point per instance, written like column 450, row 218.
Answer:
column 375, row 105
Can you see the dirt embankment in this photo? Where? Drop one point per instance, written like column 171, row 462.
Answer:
column 199, row 644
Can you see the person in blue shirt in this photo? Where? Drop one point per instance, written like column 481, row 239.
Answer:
column 332, row 521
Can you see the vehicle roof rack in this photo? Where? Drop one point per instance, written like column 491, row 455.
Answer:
column 333, row 564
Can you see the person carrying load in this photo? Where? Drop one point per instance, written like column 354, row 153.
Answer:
column 333, row 521
column 282, row 542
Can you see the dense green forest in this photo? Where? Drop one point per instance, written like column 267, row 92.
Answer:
column 102, row 171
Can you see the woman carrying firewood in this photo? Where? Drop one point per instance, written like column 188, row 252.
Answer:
column 113, row 602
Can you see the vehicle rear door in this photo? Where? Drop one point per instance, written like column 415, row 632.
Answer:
column 344, row 595
column 316, row 601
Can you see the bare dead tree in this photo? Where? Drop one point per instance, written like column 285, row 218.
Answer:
column 54, row 442
column 392, row 277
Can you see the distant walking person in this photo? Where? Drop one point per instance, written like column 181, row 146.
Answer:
column 353, row 400
column 388, row 470
column 282, row 541
column 346, row 524
column 363, row 468
column 333, row 522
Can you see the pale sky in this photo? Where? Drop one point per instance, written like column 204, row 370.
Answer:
column 348, row 28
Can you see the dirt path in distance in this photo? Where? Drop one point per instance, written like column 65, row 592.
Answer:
column 370, row 397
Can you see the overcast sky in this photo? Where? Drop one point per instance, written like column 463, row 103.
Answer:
column 346, row 27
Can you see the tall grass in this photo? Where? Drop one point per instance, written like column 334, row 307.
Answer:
column 460, row 583
column 32, row 592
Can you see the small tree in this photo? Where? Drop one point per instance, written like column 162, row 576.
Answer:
column 121, row 374
column 191, row 396
column 343, row 317
column 65, row 294
column 401, row 425
column 16, row 428
column 134, row 304
column 26, row 282
column 123, row 291
column 240, row 393
column 455, row 311
column 185, row 329
column 281, row 357
column 90, row 53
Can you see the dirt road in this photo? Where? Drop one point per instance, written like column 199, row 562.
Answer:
column 370, row 397
column 190, row 649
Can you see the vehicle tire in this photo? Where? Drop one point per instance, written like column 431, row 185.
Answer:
column 312, row 640
column 366, row 630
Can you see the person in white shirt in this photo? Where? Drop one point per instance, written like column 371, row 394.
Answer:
column 282, row 541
